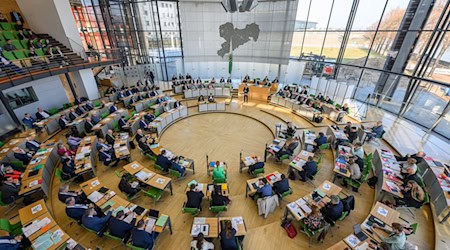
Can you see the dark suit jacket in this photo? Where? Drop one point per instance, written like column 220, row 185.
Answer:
column 333, row 212
column 163, row 162
column 122, row 123
column 88, row 106
column 120, row 228
column 194, row 199
column 40, row 117
column 31, row 146
column 88, row 127
column 24, row 158
column 142, row 125
column 281, row 186
column 144, row 147
column 138, row 137
column 110, row 139
column 141, row 238
column 63, row 196
column 72, row 116
column 321, row 140
column 76, row 212
column 61, row 123
column 10, row 192
column 96, row 223
column 79, row 111
column 112, row 109
column 310, row 168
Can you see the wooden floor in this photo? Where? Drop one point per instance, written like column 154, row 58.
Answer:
column 222, row 136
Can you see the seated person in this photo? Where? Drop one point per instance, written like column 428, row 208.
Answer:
column 102, row 144
column 257, row 165
column 10, row 190
column 355, row 172
column 377, row 131
column 131, row 189
column 333, row 210
column 149, row 117
column 143, row 124
column 411, row 175
column 345, row 108
column 144, row 146
column 282, row 185
column 142, row 238
column 95, row 223
column 201, row 244
column 139, row 135
column 396, row 239
column 194, row 197
column 265, row 190
column 228, row 237
column 413, row 195
column 28, row 121
column 72, row 114
column 176, row 166
column 309, row 169
column 322, row 139
column 288, row 149
column 211, row 98
column 218, row 171
column 328, row 100
column 73, row 142
column 358, row 150
column 32, row 145
column 42, row 114
column 201, row 98
column 217, row 199
column 110, row 138
column 118, row 227
column 314, row 220
column 163, row 161
column 63, row 151
column 88, row 125
column 11, row 242
column 347, row 128
column 177, row 104
column 122, row 124
column 107, row 157
column 290, row 130
column 7, row 171
column 113, row 108
column 68, row 168
column 410, row 163
column 80, row 110
column 79, row 196
column 63, row 122
column 74, row 210
column 320, row 97
column 417, row 156
column 22, row 156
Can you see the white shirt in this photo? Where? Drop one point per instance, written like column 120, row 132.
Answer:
column 4, row 61
column 206, row 245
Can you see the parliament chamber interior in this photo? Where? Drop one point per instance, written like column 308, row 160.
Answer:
column 233, row 124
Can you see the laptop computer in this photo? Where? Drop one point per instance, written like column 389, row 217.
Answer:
column 359, row 233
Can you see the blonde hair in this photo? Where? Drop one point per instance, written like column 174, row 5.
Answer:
column 417, row 191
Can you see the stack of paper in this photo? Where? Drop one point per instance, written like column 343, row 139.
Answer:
column 95, row 196
column 143, row 175
column 202, row 228
column 150, row 225
column 36, row 209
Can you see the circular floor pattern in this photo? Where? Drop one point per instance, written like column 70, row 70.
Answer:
column 220, row 135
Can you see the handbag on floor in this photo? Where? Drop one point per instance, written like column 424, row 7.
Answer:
column 290, row 229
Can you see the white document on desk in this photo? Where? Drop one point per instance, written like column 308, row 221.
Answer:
column 95, row 196
column 383, row 212
column 199, row 220
column 150, row 225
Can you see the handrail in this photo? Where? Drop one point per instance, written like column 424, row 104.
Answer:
column 82, row 52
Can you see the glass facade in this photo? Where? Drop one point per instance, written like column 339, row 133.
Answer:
column 402, row 67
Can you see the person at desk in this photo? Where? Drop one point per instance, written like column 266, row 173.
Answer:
column 315, row 221
column 163, row 161
column 194, row 197
column 246, row 90
column 264, row 189
column 333, row 210
column 95, row 223
column 176, row 166
column 122, row 123
column 75, row 210
column 320, row 97
column 201, row 244
column 355, row 171
column 72, row 114
column 282, row 185
column 113, row 108
column 217, row 199
column 106, row 156
column 228, row 237
column 10, row 190
column 142, row 143
column 32, row 144
column 28, row 121
column 142, row 238
column 345, row 108
column 246, row 78
column 413, row 196
column 88, row 125
column 358, row 150
column 309, row 169
column 80, row 110
column 229, row 80
column 131, row 189
column 218, row 171
column 396, row 239
column 110, row 138
column 411, row 175
column 377, row 131
column 257, row 165
column 153, row 93
column 73, row 141
column 11, row 242
column 42, row 114
column 351, row 132
column 68, row 169
column 319, row 107
column 328, row 100
column 322, row 139
column 7, row 171
column 143, row 124
column 78, row 195
column 211, row 98
column 63, row 151
column 288, row 149
column 177, row 104
column 22, row 156
column 120, row 228
column 410, row 163
column 222, row 80
column 417, row 156
column 139, row 135
column 63, row 122
column 303, row 91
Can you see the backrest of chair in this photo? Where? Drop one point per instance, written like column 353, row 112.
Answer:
column 24, row 43
column 8, row 35
column 39, row 52
column 19, row 54
column 17, row 44
column 58, row 173
column 8, row 55
column 4, row 225
column 174, row 173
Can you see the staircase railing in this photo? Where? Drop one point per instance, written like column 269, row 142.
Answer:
column 80, row 48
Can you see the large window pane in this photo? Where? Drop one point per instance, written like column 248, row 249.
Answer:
column 368, row 14
column 358, row 47
column 393, row 15
column 367, row 85
column 393, row 103
column 443, row 127
column 380, row 49
column 340, row 14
